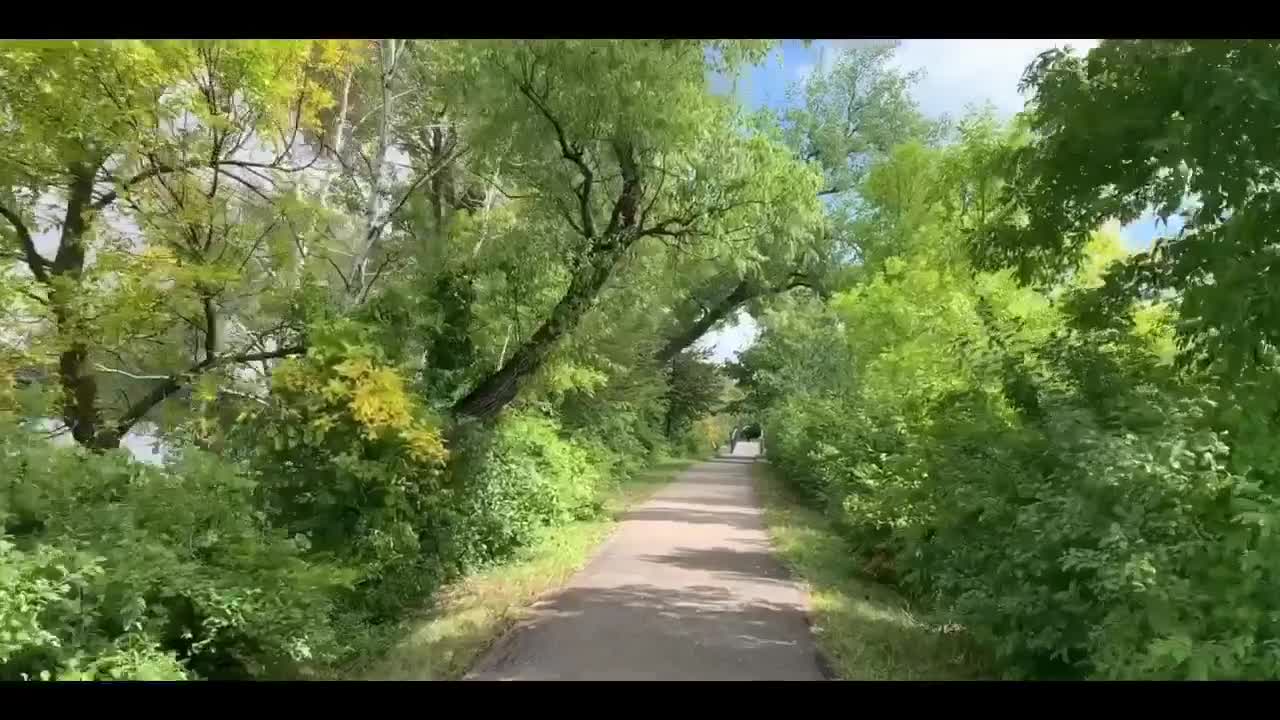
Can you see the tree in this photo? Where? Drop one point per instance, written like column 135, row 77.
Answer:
column 310, row 264
column 391, row 110
column 844, row 120
column 681, row 172
column 695, row 389
column 1179, row 126
column 156, row 158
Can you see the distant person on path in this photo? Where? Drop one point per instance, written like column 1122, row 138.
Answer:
column 733, row 440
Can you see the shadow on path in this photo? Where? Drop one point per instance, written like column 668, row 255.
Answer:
column 701, row 632
column 686, row 589
column 738, row 520
column 727, row 563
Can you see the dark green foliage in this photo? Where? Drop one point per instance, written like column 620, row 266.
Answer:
column 417, row 334
column 1059, row 492
column 508, row 486
column 1075, row 532
column 112, row 569
column 1184, row 127
column 695, row 388
column 1034, row 465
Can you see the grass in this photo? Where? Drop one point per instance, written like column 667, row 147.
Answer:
column 865, row 629
column 468, row 616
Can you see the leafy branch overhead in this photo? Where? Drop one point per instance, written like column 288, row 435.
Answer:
column 1180, row 128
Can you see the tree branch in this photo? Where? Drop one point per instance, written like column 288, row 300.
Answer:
column 591, row 271
column 574, row 154
column 245, row 395
column 687, row 336
column 173, row 383
column 364, row 295
column 114, row 371
column 210, row 327
column 163, row 169
column 37, row 263
column 251, row 187
column 496, row 186
column 624, row 215
column 416, row 184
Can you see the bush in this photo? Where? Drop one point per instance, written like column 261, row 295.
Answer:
column 288, row 537
column 706, row 435
column 114, row 569
column 1062, row 495
column 510, row 484
column 350, row 464
column 1105, row 539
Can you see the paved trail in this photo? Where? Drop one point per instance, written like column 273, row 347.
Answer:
column 686, row 589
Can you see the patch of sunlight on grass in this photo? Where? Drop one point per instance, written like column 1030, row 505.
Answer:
column 865, row 629
column 468, row 616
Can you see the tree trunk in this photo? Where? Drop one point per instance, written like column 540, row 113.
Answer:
column 743, row 292
column 589, row 276
column 339, row 136
column 500, row 388
column 80, row 409
column 373, row 210
column 440, row 182
column 80, row 398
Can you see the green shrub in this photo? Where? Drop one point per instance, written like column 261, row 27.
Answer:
column 115, row 569
column 510, row 484
column 622, row 436
column 1073, row 550
column 349, row 463
column 1063, row 496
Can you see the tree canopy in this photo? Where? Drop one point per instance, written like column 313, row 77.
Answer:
column 395, row 310
column 1175, row 126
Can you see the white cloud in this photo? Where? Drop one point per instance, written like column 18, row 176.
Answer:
column 964, row 72
column 970, row 72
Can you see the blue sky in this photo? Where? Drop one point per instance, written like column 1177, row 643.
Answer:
column 958, row 74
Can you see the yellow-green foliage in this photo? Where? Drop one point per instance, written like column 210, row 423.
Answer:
column 1048, row 485
column 709, row 433
column 1029, row 464
column 358, row 389
column 230, row 276
column 342, row 433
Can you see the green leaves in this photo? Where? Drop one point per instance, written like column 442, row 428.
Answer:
column 695, row 388
column 850, row 116
column 1171, row 126
column 113, row 570
column 1030, row 460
